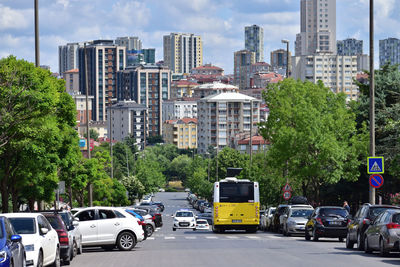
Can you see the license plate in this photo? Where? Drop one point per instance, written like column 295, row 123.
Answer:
column 335, row 223
column 236, row 221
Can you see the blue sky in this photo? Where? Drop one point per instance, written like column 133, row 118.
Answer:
column 220, row 23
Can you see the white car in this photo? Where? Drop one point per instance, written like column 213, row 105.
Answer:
column 109, row 227
column 184, row 219
column 202, row 224
column 38, row 237
column 295, row 219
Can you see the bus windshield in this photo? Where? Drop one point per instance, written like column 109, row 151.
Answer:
column 236, row 192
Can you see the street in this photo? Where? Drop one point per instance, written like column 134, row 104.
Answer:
column 205, row 248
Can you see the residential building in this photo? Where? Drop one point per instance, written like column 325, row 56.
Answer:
column 68, row 57
column 131, row 42
column 317, row 27
column 243, row 60
column 389, row 51
column 279, row 59
column 350, row 47
column 262, row 79
column 71, row 78
column 336, row 72
column 222, row 116
column 207, row 69
column 182, row 133
column 178, row 108
column 128, row 119
column 259, row 67
column 259, row 144
column 104, row 61
column 183, row 52
column 254, row 41
column 363, row 63
column 182, row 88
column 254, row 92
column 207, row 89
column 149, row 85
column 80, row 104
column 149, row 55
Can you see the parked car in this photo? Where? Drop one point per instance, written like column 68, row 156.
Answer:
column 148, row 219
column 383, row 234
column 109, row 227
column 160, row 205
column 262, row 216
column 12, row 251
column 198, row 203
column 140, row 221
column 74, row 233
column 277, row 219
column 147, row 199
column 204, row 205
column 155, row 213
column 206, row 216
column 40, row 240
column 66, row 243
column 268, row 218
column 327, row 221
column 149, row 205
column 202, row 224
column 365, row 215
column 295, row 219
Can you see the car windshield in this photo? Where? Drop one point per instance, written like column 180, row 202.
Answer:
column 273, row 211
column 23, row 225
column 301, row 213
column 375, row 211
column 201, row 222
column 236, row 192
column 184, row 214
column 55, row 222
column 396, row 218
column 333, row 212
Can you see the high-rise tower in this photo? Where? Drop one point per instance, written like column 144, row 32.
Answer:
column 254, row 41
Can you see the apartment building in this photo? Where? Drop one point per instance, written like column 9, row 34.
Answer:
column 68, row 57
column 279, row 59
column 182, row 52
column 104, row 61
column 177, row 109
column 254, row 41
column 389, row 51
column 130, row 42
column 207, row 89
column 222, row 116
column 243, row 60
column 350, row 47
column 182, row 133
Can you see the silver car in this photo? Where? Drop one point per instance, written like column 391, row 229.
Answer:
column 266, row 221
column 295, row 219
column 148, row 219
column 383, row 234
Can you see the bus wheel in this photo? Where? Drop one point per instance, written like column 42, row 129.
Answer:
column 251, row 229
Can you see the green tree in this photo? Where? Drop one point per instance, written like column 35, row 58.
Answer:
column 181, row 167
column 134, row 187
column 93, row 134
column 313, row 135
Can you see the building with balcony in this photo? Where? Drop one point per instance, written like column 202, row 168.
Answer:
column 259, row 144
column 221, row 116
column 179, row 109
column 243, row 60
column 207, row 89
column 254, row 41
column 350, row 47
column 182, row 88
column 389, row 51
column 182, row 133
column 71, row 78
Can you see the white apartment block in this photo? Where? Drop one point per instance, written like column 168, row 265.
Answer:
column 183, row 52
column 68, row 57
column 317, row 27
column 222, row 116
column 131, row 42
column 336, row 72
column 179, row 109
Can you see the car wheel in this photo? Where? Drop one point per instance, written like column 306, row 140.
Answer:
column 366, row 246
column 80, row 249
column 382, row 250
column 173, row 229
column 349, row 243
column 57, row 260
column 360, row 242
column 40, row 259
column 307, row 235
column 149, row 230
column 74, row 250
column 126, row 241
column 315, row 235
column 194, row 229
column 11, row 264
column 340, row 239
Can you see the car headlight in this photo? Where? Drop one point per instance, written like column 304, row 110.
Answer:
column 175, row 220
column 30, row 247
column 291, row 222
column 3, row 256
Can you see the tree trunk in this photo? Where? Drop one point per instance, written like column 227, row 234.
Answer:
column 70, row 195
column 14, row 199
column 31, row 204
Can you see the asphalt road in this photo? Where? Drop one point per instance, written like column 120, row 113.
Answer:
column 204, row 248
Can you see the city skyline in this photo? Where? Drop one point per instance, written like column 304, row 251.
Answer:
column 220, row 23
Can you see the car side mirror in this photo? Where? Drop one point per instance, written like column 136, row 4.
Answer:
column 76, row 219
column 75, row 223
column 44, row 231
column 16, row 238
column 285, row 215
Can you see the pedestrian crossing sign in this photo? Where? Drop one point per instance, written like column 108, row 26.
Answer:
column 375, row 165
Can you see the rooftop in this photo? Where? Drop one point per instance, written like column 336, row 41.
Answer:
column 229, row 96
column 216, row 85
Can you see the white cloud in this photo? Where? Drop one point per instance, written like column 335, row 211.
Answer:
column 11, row 19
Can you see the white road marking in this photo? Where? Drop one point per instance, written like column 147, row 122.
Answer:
column 169, row 237
column 190, row 237
column 150, row 238
column 211, row 237
column 252, row 237
column 232, row 237
column 273, row 236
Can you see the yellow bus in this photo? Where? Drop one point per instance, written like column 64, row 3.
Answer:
column 236, row 205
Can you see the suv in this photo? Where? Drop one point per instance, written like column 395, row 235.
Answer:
column 184, row 219
column 361, row 221
column 295, row 219
column 109, row 227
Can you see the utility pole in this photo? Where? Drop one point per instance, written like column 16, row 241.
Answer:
column 251, row 133
column 127, row 164
column 371, row 93
column 216, row 176
column 284, row 41
column 87, row 120
column 37, row 52
column 111, row 150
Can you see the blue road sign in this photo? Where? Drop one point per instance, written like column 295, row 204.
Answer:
column 375, row 165
column 82, row 143
column 376, row 180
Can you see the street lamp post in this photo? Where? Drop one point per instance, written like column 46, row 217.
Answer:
column 37, row 52
column 285, row 41
column 371, row 93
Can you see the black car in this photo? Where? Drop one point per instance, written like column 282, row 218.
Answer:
column 361, row 221
column 276, row 221
column 160, row 205
column 327, row 221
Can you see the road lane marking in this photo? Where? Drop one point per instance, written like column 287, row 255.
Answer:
column 232, row 237
column 273, row 237
column 169, row 237
column 211, row 237
column 150, row 238
column 190, row 237
column 252, row 237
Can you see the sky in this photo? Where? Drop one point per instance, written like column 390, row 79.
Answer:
column 220, row 23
